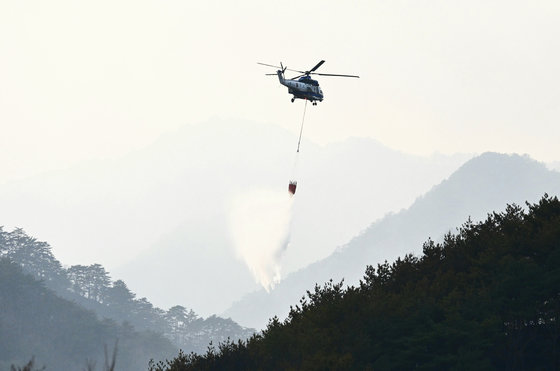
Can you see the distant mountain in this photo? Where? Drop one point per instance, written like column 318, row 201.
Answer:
column 344, row 185
column 487, row 182
column 158, row 217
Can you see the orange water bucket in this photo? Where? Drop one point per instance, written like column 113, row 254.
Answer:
column 292, row 187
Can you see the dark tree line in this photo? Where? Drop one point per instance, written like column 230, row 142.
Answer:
column 487, row 297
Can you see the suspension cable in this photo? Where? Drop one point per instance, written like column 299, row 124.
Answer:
column 302, row 122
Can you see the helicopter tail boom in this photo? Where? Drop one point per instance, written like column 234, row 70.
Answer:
column 280, row 74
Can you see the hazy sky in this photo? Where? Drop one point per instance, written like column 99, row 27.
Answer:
column 84, row 80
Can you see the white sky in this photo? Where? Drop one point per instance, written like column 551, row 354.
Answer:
column 83, row 80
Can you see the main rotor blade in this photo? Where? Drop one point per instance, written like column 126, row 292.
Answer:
column 332, row 74
column 316, row 66
column 280, row 68
column 269, row 65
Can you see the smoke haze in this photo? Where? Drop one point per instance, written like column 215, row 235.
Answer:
column 260, row 228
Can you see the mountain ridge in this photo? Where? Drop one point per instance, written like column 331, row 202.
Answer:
column 155, row 200
column 431, row 215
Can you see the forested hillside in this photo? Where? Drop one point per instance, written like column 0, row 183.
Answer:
column 487, row 297
column 487, row 182
column 109, row 308
column 61, row 335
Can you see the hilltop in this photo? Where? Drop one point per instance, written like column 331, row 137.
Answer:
column 486, row 297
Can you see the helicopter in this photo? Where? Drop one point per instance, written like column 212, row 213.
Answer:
column 303, row 86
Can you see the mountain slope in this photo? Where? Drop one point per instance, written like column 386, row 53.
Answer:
column 60, row 334
column 486, row 182
column 92, row 289
column 486, row 298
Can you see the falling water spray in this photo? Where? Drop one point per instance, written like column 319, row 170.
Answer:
column 260, row 227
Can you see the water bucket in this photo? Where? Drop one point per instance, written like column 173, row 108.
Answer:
column 292, row 187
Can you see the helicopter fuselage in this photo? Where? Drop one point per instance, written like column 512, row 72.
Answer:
column 303, row 88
